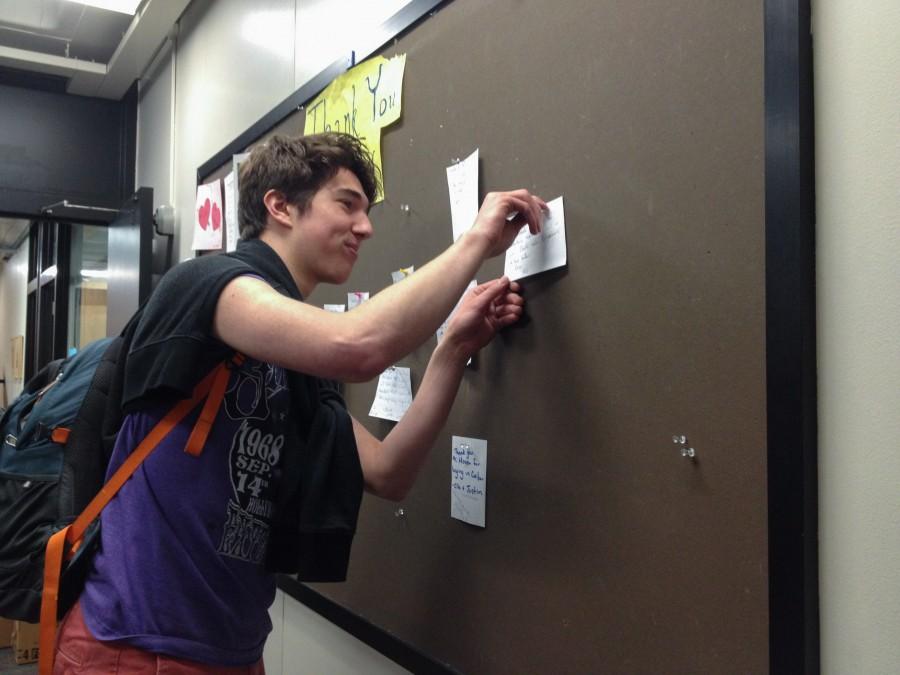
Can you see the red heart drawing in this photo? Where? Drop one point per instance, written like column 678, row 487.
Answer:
column 216, row 217
column 203, row 215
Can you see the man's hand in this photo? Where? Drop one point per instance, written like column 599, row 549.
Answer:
column 484, row 310
column 503, row 214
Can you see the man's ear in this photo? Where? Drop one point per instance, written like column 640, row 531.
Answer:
column 277, row 206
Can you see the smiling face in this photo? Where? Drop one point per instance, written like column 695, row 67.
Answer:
column 326, row 238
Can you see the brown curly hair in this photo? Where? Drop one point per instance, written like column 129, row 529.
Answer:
column 298, row 167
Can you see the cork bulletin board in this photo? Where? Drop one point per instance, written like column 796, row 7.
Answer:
column 628, row 420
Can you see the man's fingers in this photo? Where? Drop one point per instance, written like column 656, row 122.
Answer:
column 485, row 294
column 507, row 319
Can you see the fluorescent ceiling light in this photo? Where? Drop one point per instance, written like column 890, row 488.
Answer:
column 123, row 6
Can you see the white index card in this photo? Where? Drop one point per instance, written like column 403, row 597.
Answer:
column 232, row 229
column 356, row 298
column 208, row 217
column 402, row 273
column 468, row 480
column 394, row 394
column 533, row 253
column 462, row 181
column 337, row 309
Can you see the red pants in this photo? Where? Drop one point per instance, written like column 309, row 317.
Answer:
column 79, row 653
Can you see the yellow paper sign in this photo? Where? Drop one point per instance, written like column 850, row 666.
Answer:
column 361, row 102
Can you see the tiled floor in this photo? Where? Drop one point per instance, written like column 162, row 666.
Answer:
column 8, row 664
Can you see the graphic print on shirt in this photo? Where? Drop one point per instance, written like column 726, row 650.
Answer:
column 257, row 399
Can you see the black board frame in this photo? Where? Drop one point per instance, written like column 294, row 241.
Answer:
column 790, row 336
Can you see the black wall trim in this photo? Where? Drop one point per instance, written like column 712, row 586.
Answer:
column 791, row 339
column 403, row 20
column 398, row 651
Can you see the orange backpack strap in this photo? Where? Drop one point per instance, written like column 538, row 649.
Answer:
column 204, row 422
column 212, row 388
column 60, row 435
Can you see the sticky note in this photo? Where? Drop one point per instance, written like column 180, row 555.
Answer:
column 402, row 273
column 356, row 298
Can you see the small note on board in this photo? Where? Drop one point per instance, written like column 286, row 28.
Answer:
column 208, row 217
column 462, row 182
column 356, row 298
column 394, row 394
column 231, row 210
column 402, row 273
column 468, row 480
column 337, row 309
column 530, row 254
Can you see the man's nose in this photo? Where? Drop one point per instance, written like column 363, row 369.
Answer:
column 363, row 227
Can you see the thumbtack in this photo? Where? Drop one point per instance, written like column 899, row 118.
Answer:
column 404, row 208
column 400, row 512
column 688, row 452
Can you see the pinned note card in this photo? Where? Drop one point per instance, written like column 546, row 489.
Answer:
column 337, row 309
column 232, row 229
column 402, row 273
column 468, row 480
column 394, row 394
column 530, row 254
column 356, row 298
column 208, row 217
column 462, row 181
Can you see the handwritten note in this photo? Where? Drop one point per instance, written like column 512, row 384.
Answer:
column 208, row 217
column 232, row 229
column 402, row 273
column 394, row 394
column 356, row 298
column 337, row 309
column 462, row 181
column 361, row 102
column 468, row 480
column 530, row 254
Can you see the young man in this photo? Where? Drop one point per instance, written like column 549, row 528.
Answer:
column 184, row 577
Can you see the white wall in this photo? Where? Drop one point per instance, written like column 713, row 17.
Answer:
column 234, row 63
column 155, row 121
column 304, row 643
column 857, row 81
column 13, row 289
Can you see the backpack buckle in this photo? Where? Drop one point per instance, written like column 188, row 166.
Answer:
column 11, row 440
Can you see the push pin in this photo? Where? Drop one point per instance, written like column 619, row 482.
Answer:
column 400, row 512
column 686, row 451
column 404, row 208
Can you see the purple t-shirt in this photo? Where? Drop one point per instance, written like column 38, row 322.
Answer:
column 181, row 567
